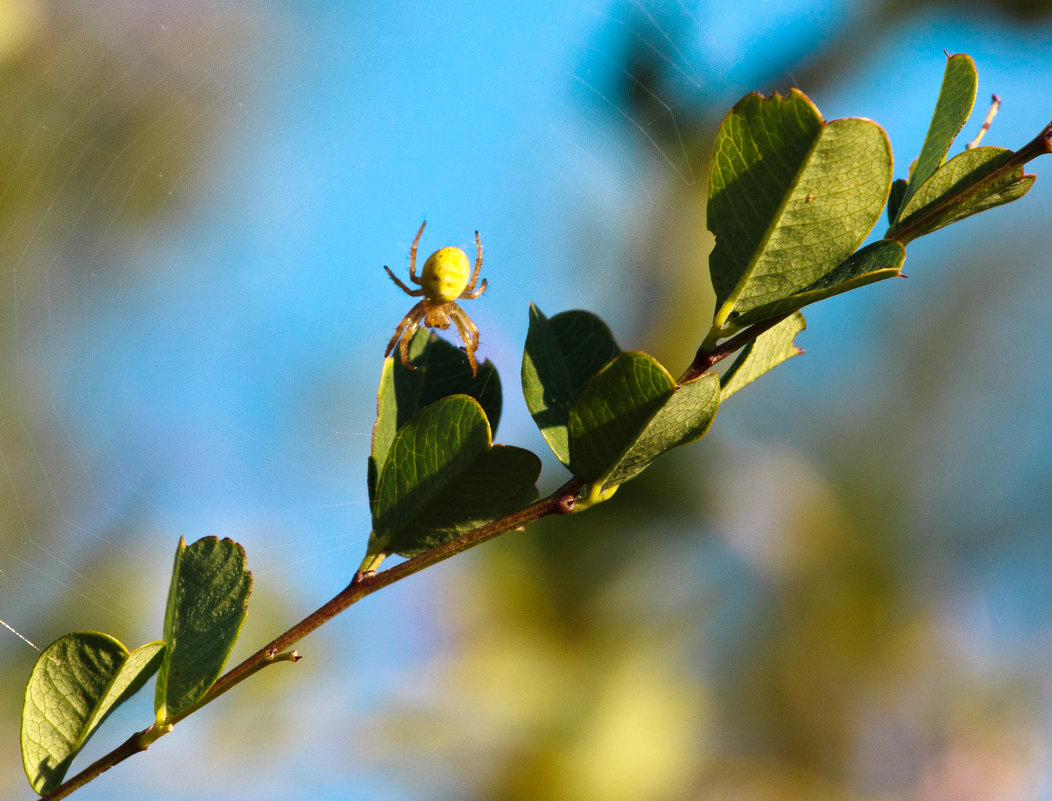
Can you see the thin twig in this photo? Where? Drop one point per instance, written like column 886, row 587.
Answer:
column 707, row 357
column 995, row 104
column 561, row 501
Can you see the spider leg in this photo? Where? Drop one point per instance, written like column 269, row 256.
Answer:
column 414, row 292
column 405, row 332
column 409, row 332
column 469, row 333
column 412, row 255
column 467, row 293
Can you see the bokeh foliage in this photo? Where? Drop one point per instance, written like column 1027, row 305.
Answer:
column 108, row 124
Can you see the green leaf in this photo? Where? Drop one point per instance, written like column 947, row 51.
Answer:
column 790, row 198
column 500, row 481
column 875, row 262
column 443, row 477
column 684, row 418
column 952, row 109
column 561, row 354
column 895, row 198
column 76, row 683
column 207, row 603
column 441, row 371
column 631, row 412
column 764, row 353
column 614, row 407
column 970, row 182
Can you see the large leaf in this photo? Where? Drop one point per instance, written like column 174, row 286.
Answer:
column 970, row 182
column 875, row 262
column 207, row 603
column 956, row 99
column 764, row 353
column 790, row 198
column 76, row 683
column 443, row 477
column 441, row 370
column 561, row 354
column 630, row 413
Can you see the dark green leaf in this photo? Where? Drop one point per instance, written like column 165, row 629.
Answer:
column 956, row 99
column 612, row 410
column 561, row 354
column 875, row 262
column 790, row 198
column 630, row 413
column 442, row 477
column 685, row 417
column 75, row 684
column 764, row 353
column 898, row 193
column 500, row 481
column 441, row 370
column 207, row 603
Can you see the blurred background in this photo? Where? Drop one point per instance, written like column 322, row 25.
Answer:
column 844, row 592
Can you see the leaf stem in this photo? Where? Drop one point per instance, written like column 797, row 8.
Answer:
column 562, row 501
column 710, row 353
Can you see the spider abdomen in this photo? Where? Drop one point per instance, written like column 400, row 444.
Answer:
column 446, row 274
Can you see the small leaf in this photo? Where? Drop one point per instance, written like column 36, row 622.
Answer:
column 613, row 409
column 764, row 353
column 684, row 418
column 76, row 683
column 442, row 478
column 898, row 194
column 952, row 109
column 790, row 198
column 561, row 354
column 875, row 262
column 970, row 182
column 441, row 371
column 207, row 603
column 630, row 413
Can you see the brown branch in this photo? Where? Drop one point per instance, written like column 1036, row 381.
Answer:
column 707, row 357
column 561, row 501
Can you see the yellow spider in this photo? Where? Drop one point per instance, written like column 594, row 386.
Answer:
column 443, row 282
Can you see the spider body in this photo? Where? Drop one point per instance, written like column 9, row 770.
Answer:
column 445, row 275
column 446, row 278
